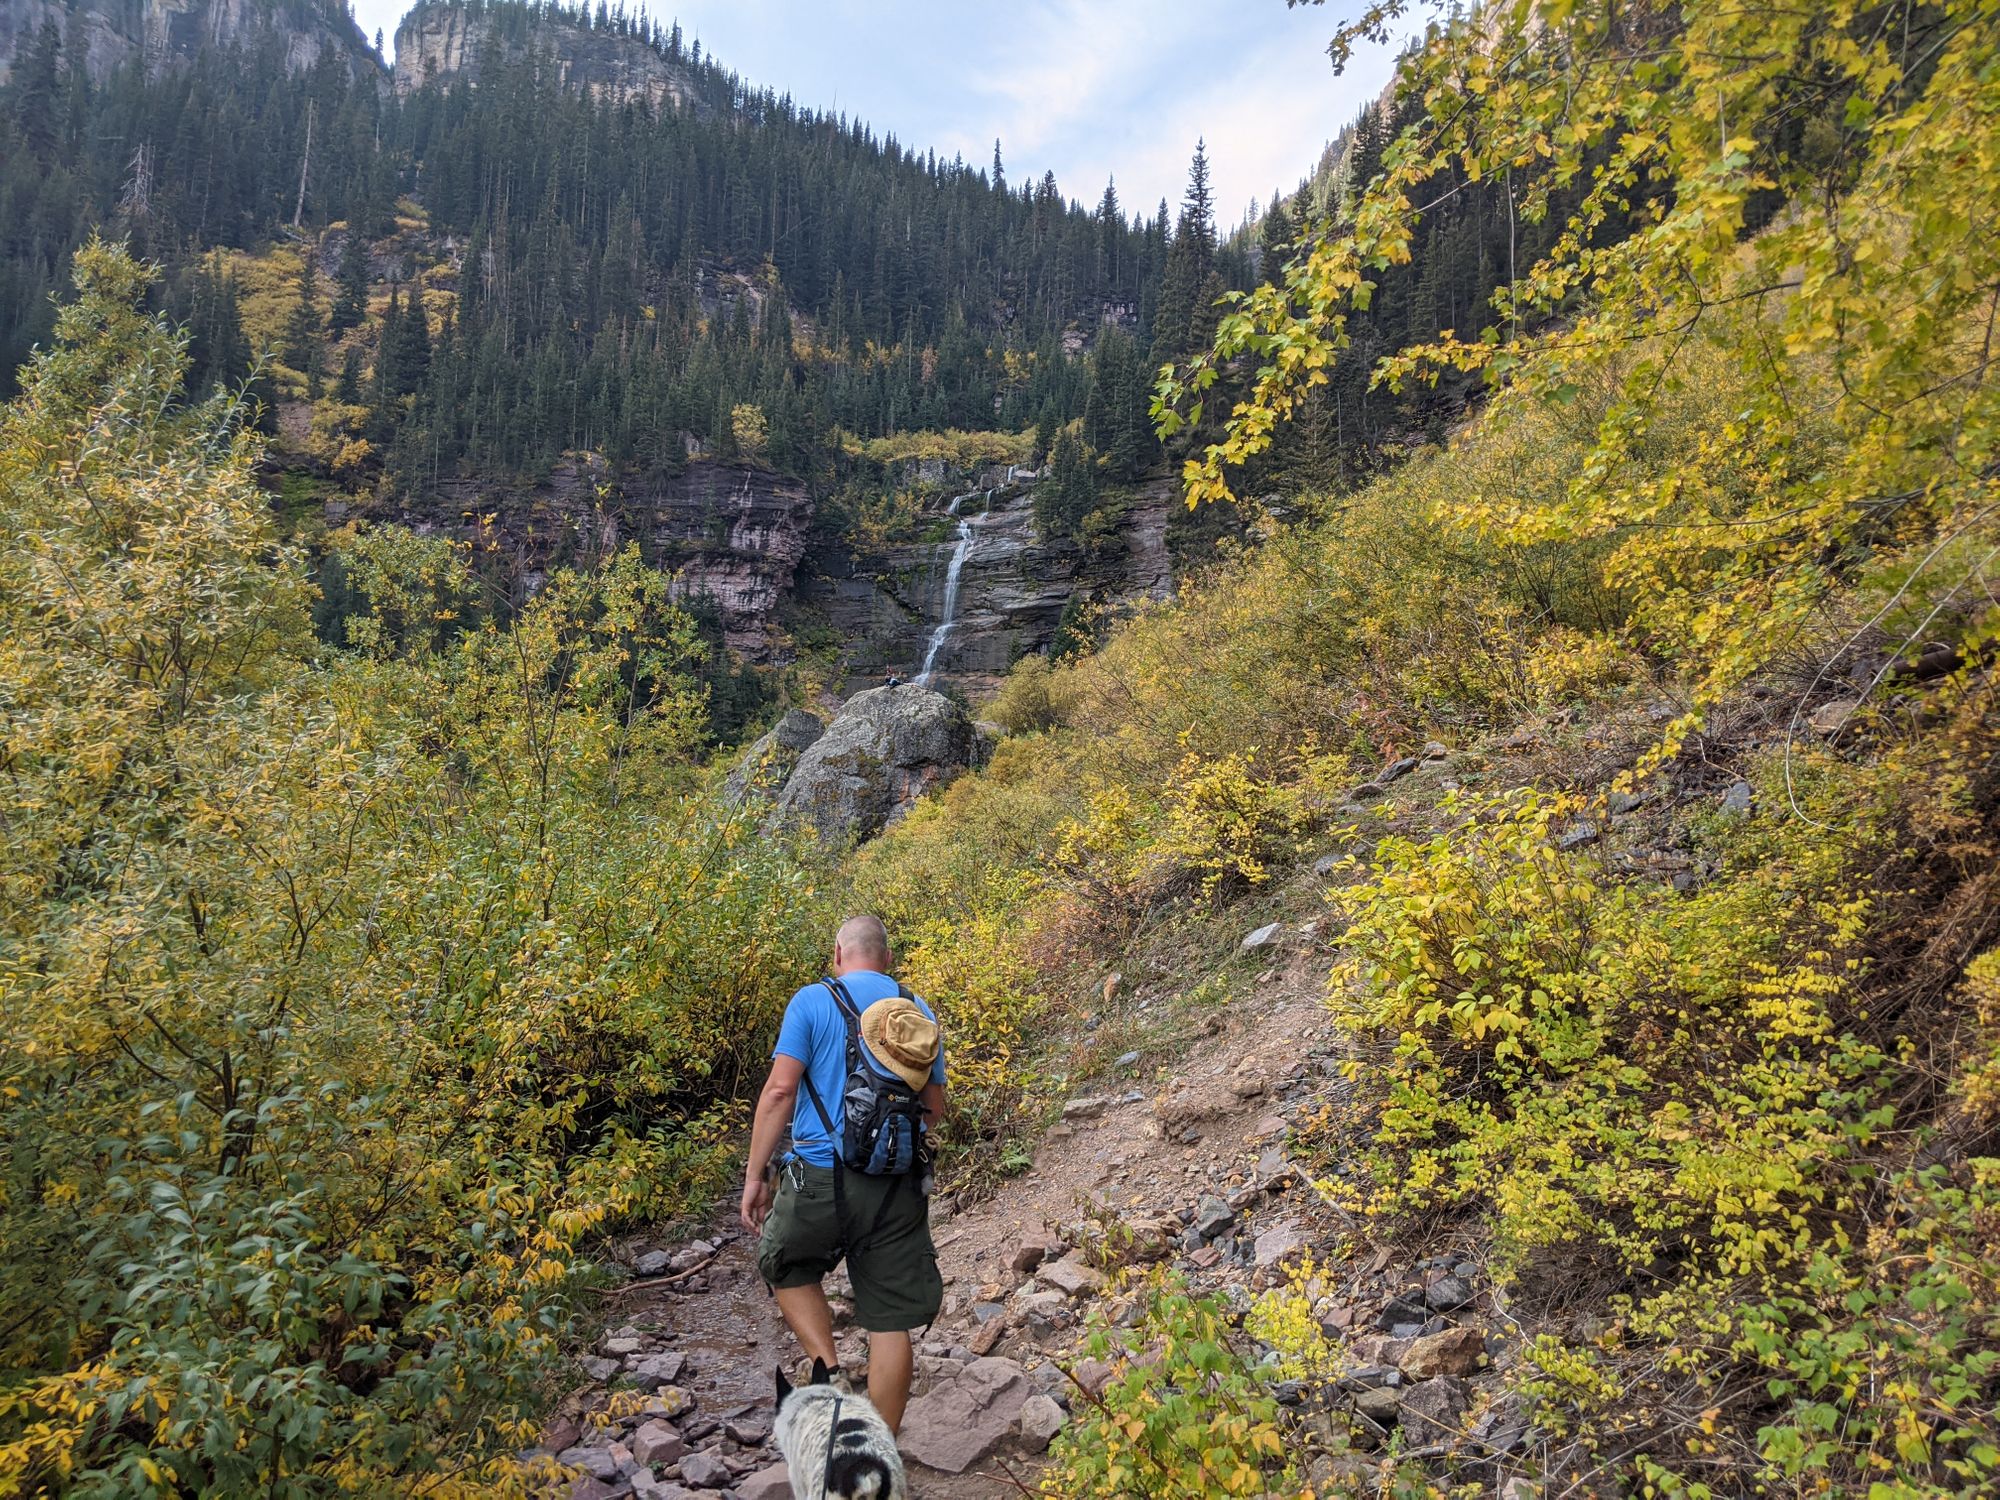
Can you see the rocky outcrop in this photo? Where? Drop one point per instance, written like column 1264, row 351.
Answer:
column 884, row 750
column 438, row 43
column 1013, row 587
column 768, row 764
column 113, row 32
column 731, row 535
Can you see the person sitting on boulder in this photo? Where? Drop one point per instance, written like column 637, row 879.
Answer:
column 856, row 1182
column 895, row 681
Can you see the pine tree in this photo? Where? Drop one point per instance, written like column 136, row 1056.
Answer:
column 302, row 350
column 1188, row 287
column 415, row 356
column 389, row 352
column 350, row 304
column 347, row 389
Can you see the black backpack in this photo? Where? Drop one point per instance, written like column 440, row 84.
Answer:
column 882, row 1125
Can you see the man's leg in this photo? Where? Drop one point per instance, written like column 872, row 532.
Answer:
column 811, row 1322
column 890, row 1370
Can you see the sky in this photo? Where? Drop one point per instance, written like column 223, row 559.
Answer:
column 1087, row 88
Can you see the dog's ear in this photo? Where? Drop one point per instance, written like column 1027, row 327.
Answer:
column 784, row 1386
column 821, row 1374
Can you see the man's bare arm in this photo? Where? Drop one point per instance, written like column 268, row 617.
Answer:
column 767, row 1128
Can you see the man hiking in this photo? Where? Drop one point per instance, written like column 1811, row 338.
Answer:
column 858, row 1076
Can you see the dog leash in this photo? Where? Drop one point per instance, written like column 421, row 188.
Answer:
column 832, row 1436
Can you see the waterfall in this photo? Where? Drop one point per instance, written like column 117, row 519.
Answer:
column 948, row 617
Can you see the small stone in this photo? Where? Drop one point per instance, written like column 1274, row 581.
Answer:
column 1380, row 1404
column 1093, row 1375
column 1127, row 1060
column 1086, row 1108
column 705, row 1471
column 752, row 1430
column 1396, row 770
column 1432, row 1409
column 987, row 1312
column 1337, row 1320
column 1466, row 1269
column 1040, row 1419
column 1400, row 1310
column 623, row 1346
column 1830, row 718
column 1263, row 937
column 658, row 1442
column 653, row 1263
column 1447, row 1294
column 669, row 1401
column 1580, row 836
column 1624, row 802
column 1212, row 1217
column 1031, row 1252
column 1277, row 1243
column 646, row 1487
column 590, row 1487
column 1737, row 801
column 692, row 1254
column 593, row 1458
column 1048, row 1307
column 1112, row 982
column 1433, row 750
column 1518, row 1488
column 987, row 1336
column 1206, row 1257
column 1072, row 1277
column 597, row 1368
column 1368, row 791
column 1370, row 1377
column 1456, row 1351
column 774, row 1483
column 1326, row 864
column 663, row 1368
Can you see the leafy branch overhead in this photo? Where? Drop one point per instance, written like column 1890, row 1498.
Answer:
column 1814, row 186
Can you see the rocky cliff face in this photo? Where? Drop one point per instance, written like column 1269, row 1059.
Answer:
column 440, row 42
column 743, row 539
column 731, row 535
column 1013, row 588
column 114, row 32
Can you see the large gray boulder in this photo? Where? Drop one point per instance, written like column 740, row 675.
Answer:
column 767, row 765
column 884, row 749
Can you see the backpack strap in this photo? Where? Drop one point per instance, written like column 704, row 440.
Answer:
column 851, row 1016
column 844, row 1003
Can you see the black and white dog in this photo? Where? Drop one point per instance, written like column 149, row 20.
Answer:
column 835, row 1443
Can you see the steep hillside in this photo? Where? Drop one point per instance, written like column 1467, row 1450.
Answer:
column 678, row 286
column 105, row 35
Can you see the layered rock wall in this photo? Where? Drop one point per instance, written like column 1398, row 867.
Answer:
column 730, row 534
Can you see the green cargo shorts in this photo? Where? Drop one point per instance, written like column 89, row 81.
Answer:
column 885, row 1235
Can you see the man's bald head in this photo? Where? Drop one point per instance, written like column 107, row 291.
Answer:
column 861, row 943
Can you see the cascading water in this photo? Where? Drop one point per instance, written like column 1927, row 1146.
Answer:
column 948, row 617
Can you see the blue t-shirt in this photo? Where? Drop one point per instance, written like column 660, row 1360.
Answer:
column 815, row 1034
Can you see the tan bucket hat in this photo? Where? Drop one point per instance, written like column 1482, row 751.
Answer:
column 902, row 1038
